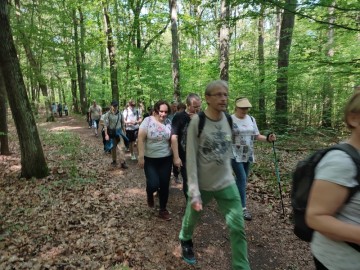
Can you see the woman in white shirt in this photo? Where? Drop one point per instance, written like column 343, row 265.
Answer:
column 155, row 155
column 245, row 131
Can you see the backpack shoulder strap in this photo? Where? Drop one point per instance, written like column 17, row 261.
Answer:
column 201, row 122
column 230, row 120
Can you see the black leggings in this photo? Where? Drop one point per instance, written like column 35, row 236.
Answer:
column 319, row 265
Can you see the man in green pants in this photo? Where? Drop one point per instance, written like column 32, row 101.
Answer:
column 210, row 176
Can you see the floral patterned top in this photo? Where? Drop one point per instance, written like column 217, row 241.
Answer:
column 158, row 136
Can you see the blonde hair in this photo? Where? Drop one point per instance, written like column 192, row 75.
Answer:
column 352, row 107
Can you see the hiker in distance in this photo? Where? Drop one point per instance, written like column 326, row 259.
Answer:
column 335, row 220
column 179, row 127
column 155, row 156
column 114, row 128
column 209, row 172
column 95, row 112
column 245, row 131
column 132, row 117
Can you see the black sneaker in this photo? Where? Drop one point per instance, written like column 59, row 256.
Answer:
column 113, row 163
column 187, row 252
column 247, row 215
column 123, row 165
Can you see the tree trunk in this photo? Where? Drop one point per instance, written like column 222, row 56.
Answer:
column 33, row 162
column 4, row 139
column 34, row 64
column 287, row 27
column 112, row 55
column 82, row 82
column 224, row 36
column 328, row 89
column 261, row 66
column 175, row 47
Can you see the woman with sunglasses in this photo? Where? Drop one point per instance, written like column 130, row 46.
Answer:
column 245, row 132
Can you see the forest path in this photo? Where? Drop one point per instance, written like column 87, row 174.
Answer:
column 104, row 223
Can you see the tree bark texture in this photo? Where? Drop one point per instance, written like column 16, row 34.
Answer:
column 175, row 47
column 33, row 162
column 112, row 56
column 286, row 31
column 82, row 82
column 261, row 67
column 224, row 39
column 33, row 62
column 328, row 89
column 4, row 139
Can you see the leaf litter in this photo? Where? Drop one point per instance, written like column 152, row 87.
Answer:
column 88, row 215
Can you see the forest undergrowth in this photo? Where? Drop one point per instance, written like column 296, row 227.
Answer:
column 88, row 215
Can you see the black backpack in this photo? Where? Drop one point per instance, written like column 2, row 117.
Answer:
column 302, row 180
column 202, row 118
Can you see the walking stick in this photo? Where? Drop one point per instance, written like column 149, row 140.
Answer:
column 278, row 177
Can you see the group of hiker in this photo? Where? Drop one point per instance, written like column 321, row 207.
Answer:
column 204, row 148
column 213, row 152
column 58, row 108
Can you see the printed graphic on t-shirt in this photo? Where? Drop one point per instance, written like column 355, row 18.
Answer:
column 159, row 132
column 244, row 136
column 183, row 137
column 216, row 146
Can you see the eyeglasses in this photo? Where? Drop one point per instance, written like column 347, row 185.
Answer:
column 219, row 95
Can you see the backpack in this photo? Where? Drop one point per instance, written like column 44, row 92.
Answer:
column 302, row 180
column 202, row 118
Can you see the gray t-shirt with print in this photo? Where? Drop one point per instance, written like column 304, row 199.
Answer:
column 208, row 158
column 338, row 167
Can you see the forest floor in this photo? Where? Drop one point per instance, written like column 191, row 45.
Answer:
column 88, row 215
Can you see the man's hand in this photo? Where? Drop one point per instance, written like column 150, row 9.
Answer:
column 197, row 206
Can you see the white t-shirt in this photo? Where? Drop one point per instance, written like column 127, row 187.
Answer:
column 244, row 132
column 338, row 167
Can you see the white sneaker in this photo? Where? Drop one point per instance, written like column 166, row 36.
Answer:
column 133, row 157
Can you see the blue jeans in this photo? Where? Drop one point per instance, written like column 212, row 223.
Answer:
column 241, row 170
column 158, row 173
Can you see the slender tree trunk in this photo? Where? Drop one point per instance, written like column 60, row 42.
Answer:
column 112, row 55
column 175, row 47
column 4, row 139
column 328, row 89
column 287, row 27
column 82, row 82
column 34, row 64
column 33, row 162
column 261, row 66
column 224, row 36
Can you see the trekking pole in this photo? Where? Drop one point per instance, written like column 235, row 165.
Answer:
column 278, row 177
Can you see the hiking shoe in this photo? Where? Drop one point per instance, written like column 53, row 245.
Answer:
column 187, row 252
column 165, row 215
column 177, row 180
column 150, row 201
column 113, row 163
column 247, row 215
column 123, row 165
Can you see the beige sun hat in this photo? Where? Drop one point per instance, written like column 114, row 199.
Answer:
column 243, row 103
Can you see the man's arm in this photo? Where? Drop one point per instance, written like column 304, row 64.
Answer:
column 192, row 146
column 175, row 127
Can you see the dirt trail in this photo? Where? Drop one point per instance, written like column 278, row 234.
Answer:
column 106, row 224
